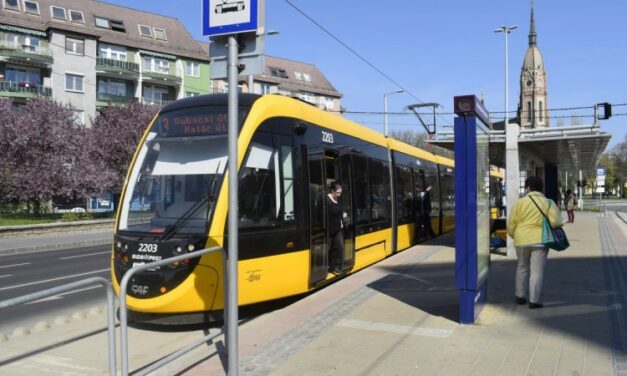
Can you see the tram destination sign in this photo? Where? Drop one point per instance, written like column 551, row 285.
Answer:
column 192, row 125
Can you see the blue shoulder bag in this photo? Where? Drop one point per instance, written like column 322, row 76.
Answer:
column 554, row 238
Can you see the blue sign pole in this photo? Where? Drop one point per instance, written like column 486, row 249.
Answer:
column 472, row 257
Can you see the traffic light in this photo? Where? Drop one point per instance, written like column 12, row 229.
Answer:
column 607, row 111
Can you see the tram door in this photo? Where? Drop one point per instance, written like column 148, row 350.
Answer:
column 324, row 168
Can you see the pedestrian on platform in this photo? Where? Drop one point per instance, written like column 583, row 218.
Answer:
column 570, row 202
column 335, row 227
column 525, row 227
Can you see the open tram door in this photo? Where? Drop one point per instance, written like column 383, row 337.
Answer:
column 326, row 166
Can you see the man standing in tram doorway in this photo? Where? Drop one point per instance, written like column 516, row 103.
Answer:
column 335, row 226
column 426, row 210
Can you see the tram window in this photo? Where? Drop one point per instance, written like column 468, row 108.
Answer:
column 448, row 188
column 360, row 191
column 288, row 183
column 380, row 190
column 259, row 179
column 431, row 178
column 405, row 193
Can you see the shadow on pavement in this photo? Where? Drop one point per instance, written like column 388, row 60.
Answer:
column 579, row 295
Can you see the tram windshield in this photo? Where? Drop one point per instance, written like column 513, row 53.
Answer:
column 173, row 186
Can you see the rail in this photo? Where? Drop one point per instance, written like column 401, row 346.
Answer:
column 73, row 286
column 124, row 310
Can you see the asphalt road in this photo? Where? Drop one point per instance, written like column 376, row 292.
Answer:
column 26, row 273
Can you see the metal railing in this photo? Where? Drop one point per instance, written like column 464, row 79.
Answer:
column 73, row 286
column 124, row 311
column 24, row 87
column 127, row 65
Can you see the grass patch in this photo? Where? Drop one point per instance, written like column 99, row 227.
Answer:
column 19, row 220
column 26, row 219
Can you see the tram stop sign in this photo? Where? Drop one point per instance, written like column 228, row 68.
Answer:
column 246, row 18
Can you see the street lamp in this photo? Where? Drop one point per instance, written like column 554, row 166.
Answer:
column 512, row 163
column 385, row 110
column 506, row 30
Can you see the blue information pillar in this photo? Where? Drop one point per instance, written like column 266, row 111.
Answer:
column 472, row 206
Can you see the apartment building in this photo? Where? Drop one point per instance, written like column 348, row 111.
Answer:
column 290, row 78
column 91, row 54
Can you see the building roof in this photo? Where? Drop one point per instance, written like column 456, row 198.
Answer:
column 178, row 40
column 318, row 84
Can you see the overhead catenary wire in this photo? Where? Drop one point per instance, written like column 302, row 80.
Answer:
column 358, row 55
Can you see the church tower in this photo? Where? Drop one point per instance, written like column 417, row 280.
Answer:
column 532, row 107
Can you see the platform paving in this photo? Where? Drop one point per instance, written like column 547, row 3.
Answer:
column 400, row 317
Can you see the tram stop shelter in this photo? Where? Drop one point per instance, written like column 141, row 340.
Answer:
column 546, row 152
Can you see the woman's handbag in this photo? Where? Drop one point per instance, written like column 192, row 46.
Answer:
column 554, row 238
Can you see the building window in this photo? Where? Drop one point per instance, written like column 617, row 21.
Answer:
column 31, row 7
column 102, row 22
column 306, row 77
column 76, row 16
column 24, row 42
column 58, row 12
column 153, row 64
column 528, row 112
column 74, row 82
column 160, row 34
column 298, row 75
column 265, row 88
column 307, row 96
column 278, row 72
column 113, row 52
column 74, row 46
column 117, row 26
column 191, row 94
column 540, row 111
column 111, row 87
column 155, row 94
column 79, row 117
column 145, row 31
column 12, row 5
column 192, row 68
column 22, row 76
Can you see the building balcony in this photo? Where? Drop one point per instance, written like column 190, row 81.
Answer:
column 23, row 89
column 163, row 77
column 118, row 68
column 105, row 99
column 157, row 102
column 24, row 53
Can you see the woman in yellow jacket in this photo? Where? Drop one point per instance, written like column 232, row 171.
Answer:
column 525, row 227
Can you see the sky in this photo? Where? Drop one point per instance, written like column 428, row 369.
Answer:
column 435, row 50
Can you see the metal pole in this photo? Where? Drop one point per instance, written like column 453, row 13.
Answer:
column 385, row 114
column 232, row 300
column 580, row 190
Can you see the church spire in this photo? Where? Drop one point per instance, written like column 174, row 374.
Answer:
column 532, row 29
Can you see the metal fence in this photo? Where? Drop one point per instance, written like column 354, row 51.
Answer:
column 124, row 310
column 73, row 286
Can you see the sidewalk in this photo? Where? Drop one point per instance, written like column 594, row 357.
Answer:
column 400, row 317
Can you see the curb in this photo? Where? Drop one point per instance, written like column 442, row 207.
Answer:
column 54, row 247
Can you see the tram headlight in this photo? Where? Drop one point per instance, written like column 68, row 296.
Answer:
column 118, row 244
column 191, row 248
column 178, row 249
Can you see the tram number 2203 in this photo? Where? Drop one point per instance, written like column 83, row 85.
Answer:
column 327, row 137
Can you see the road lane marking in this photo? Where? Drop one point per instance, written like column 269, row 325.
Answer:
column 14, row 265
column 7, row 275
column 85, row 255
column 53, row 279
column 60, row 296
